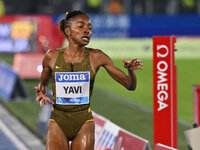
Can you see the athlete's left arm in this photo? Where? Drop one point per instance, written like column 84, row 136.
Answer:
column 128, row 81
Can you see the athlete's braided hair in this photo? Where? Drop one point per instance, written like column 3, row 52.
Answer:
column 65, row 22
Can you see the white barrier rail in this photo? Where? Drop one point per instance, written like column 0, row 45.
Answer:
column 163, row 147
column 109, row 136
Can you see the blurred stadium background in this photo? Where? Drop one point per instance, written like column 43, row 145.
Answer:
column 121, row 28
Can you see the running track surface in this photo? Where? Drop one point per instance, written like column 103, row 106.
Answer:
column 14, row 135
column 5, row 143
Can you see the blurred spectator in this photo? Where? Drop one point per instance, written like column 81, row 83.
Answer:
column 2, row 8
column 149, row 7
column 198, row 6
column 160, row 6
column 188, row 6
column 93, row 6
column 78, row 5
column 115, row 7
column 20, row 6
column 172, row 7
column 54, row 7
column 137, row 6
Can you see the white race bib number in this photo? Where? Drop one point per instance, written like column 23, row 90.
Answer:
column 72, row 88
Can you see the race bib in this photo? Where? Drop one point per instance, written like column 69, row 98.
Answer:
column 72, row 88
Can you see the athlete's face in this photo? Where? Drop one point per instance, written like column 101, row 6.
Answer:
column 80, row 29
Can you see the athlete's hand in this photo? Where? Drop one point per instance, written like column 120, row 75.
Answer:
column 42, row 98
column 134, row 64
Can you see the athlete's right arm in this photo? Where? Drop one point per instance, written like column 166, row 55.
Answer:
column 45, row 77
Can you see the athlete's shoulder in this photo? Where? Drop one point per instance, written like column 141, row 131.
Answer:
column 50, row 57
column 95, row 51
column 98, row 54
column 52, row 52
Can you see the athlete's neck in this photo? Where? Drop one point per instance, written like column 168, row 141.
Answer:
column 74, row 50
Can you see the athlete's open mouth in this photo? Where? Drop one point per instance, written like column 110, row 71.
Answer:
column 87, row 38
